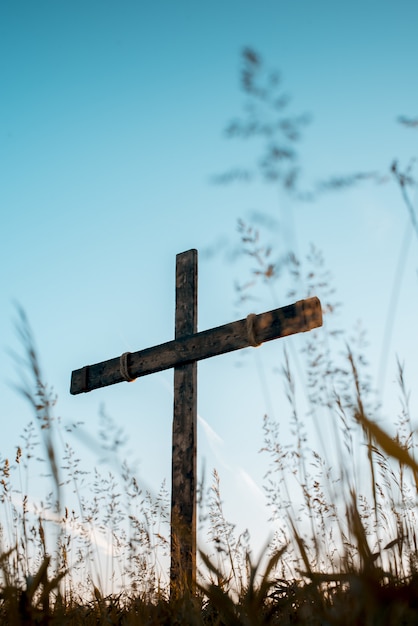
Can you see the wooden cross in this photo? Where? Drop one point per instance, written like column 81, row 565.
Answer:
column 182, row 354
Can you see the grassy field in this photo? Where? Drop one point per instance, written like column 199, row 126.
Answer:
column 346, row 552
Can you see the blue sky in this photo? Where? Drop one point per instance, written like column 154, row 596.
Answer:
column 111, row 127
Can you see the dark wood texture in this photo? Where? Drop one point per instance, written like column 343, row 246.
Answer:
column 299, row 317
column 183, row 477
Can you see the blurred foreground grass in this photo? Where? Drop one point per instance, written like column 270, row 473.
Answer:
column 345, row 551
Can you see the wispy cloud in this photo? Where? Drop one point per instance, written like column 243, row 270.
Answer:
column 213, row 438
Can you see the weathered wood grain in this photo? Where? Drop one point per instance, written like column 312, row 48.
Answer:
column 184, row 442
column 301, row 316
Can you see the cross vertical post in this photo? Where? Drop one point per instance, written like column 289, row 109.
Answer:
column 184, row 442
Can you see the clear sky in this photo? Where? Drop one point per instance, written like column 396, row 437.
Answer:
column 111, row 129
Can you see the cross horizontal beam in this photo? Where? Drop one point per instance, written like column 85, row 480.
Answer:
column 299, row 317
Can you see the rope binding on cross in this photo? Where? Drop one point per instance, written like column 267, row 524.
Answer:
column 124, row 368
column 252, row 337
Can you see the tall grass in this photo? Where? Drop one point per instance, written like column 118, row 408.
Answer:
column 95, row 549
